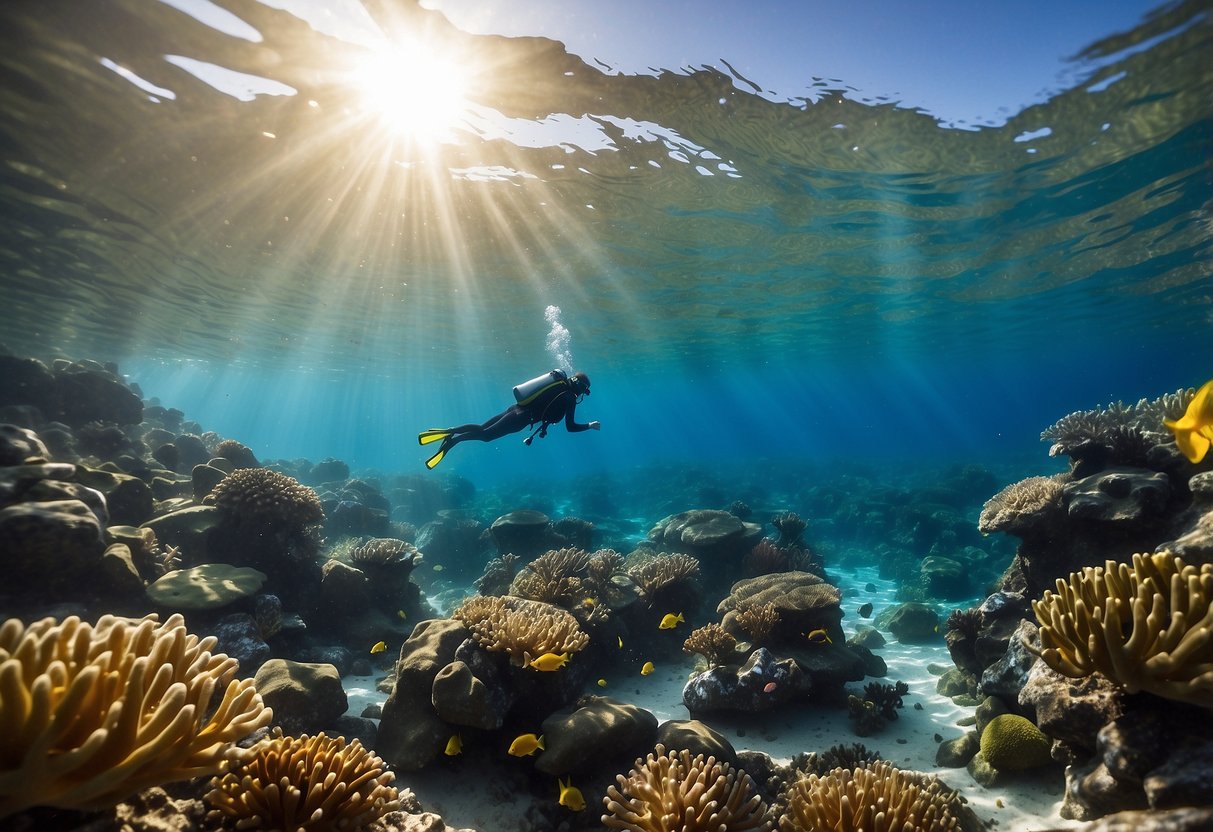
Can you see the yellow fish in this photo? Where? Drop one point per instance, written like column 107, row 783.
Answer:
column 1194, row 430
column 819, row 636
column 454, row 746
column 590, row 602
column 526, row 744
column 379, row 647
column 401, row 614
column 669, row 621
column 570, row 795
column 647, row 669
column 620, row 641
column 550, row 661
column 602, row 683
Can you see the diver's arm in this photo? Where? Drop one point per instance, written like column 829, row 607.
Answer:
column 572, row 425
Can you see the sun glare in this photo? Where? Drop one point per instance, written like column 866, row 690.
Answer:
column 415, row 91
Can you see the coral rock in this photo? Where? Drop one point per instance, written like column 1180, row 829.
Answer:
column 597, row 730
column 725, row 689
column 304, row 696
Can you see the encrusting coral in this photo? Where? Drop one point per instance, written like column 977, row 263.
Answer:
column 712, row 642
column 309, row 784
column 1146, row 626
column 90, row 714
column 675, row 792
column 875, row 798
column 523, row 629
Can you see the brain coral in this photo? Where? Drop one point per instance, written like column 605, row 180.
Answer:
column 876, row 798
column 523, row 629
column 1146, row 626
column 92, row 714
column 305, row 784
column 1012, row 743
column 675, row 792
column 260, row 497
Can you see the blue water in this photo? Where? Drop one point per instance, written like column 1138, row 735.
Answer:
column 746, row 278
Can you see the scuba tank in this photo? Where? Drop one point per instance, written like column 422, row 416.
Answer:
column 526, row 392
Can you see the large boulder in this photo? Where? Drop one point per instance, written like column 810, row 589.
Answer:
column 760, row 684
column 306, row 697
column 1120, row 496
column 593, row 734
column 411, row 734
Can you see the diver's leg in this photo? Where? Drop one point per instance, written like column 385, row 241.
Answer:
column 511, row 420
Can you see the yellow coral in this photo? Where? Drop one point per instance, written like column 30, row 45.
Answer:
column 92, row 714
column 305, row 784
column 876, row 798
column 1146, row 626
column 676, row 792
column 1011, row 743
column 523, row 629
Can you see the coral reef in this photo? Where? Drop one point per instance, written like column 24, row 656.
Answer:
column 1023, row 505
column 850, row 756
column 758, row 621
column 524, row 629
column 1144, row 626
column 1012, row 743
column 877, row 706
column 879, row 798
column 92, row 714
column 308, row 784
column 385, row 553
column 791, row 529
column 498, row 575
column 553, row 578
column 712, row 642
column 663, row 578
column 260, row 497
column 1118, row 434
column 675, row 791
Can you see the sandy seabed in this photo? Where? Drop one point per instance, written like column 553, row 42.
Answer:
column 1029, row 801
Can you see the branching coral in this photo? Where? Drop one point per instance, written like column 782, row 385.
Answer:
column 523, row 629
column 260, row 497
column 712, row 642
column 1023, row 504
column 498, row 574
column 1146, row 626
column 91, row 714
column 758, row 621
column 660, row 573
column 305, row 784
column 553, row 578
column 675, row 792
column 1125, row 432
column 877, row 706
column 876, row 798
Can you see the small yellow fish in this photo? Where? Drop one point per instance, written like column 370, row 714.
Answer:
column 570, row 795
column 819, row 636
column 602, row 683
column 550, row 661
column 380, row 646
column 454, row 746
column 401, row 614
column 437, row 567
column 669, row 621
column 525, row 745
column 590, row 601
column 620, row 641
column 647, row 669
column 1194, row 430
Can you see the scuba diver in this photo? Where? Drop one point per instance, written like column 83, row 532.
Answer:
column 544, row 400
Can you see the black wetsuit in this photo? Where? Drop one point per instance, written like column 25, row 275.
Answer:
column 549, row 407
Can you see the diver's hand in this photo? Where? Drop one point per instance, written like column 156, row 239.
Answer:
column 595, row 425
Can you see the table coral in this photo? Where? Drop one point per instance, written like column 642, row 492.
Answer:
column 675, row 792
column 91, row 714
column 310, row 784
column 1147, row 626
